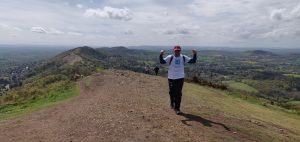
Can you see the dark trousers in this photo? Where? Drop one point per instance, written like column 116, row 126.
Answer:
column 175, row 87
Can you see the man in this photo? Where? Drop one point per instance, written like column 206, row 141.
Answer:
column 156, row 69
column 147, row 69
column 176, row 75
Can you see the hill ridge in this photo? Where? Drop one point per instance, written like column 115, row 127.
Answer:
column 120, row 105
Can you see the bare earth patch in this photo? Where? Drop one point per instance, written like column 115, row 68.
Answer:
column 72, row 59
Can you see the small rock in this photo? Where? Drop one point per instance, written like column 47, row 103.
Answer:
column 281, row 130
column 235, row 132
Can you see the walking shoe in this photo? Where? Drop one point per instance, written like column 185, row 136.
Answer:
column 178, row 112
column 172, row 106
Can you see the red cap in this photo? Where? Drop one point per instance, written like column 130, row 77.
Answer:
column 177, row 47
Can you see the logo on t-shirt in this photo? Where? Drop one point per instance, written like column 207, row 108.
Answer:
column 177, row 61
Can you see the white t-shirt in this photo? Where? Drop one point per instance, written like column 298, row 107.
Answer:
column 176, row 68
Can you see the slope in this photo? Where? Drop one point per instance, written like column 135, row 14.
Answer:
column 71, row 61
column 127, row 106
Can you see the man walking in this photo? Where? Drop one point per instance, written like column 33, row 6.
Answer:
column 156, row 69
column 147, row 69
column 176, row 74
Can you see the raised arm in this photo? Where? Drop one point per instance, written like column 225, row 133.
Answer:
column 193, row 60
column 161, row 58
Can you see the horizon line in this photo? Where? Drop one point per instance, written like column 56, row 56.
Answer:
column 199, row 46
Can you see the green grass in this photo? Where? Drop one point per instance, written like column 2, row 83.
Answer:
column 87, row 82
column 237, row 114
column 100, row 70
column 294, row 102
column 293, row 105
column 14, row 110
column 240, row 86
column 292, row 75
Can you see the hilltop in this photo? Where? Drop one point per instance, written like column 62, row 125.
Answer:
column 126, row 106
column 80, row 56
column 260, row 53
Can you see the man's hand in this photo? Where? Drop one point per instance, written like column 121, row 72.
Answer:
column 194, row 51
column 162, row 52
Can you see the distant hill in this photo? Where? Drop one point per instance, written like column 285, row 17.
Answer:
column 124, row 52
column 294, row 56
column 118, row 49
column 85, row 60
column 85, row 53
column 81, row 60
column 259, row 53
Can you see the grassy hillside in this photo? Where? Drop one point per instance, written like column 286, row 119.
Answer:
column 293, row 75
column 260, row 122
column 240, row 86
column 41, row 101
column 78, row 61
column 51, row 81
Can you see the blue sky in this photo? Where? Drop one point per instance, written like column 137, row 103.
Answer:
column 237, row 23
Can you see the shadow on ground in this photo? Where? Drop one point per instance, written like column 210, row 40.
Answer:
column 205, row 122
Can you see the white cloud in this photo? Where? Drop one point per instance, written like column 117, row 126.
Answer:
column 54, row 31
column 194, row 22
column 277, row 14
column 283, row 32
column 278, row 33
column 74, row 33
column 80, row 6
column 291, row 14
column 288, row 25
column 216, row 7
column 296, row 11
column 166, row 13
column 242, row 33
column 297, row 32
column 110, row 12
column 13, row 35
column 128, row 32
column 4, row 26
column 66, row 4
column 38, row 30
column 46, row 31
column 7, row 27
column 177, row 31
column 17, row 29
column 184, row 29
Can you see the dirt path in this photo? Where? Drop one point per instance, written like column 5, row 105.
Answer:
column 116, row 106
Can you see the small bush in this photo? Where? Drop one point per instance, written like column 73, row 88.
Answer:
column 203, row 82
